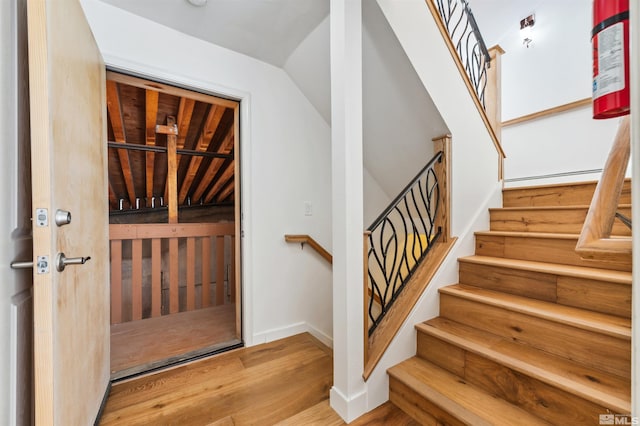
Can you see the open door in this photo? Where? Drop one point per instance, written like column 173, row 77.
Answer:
column 68, row 154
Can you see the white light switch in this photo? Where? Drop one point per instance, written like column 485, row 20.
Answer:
column 308, row 208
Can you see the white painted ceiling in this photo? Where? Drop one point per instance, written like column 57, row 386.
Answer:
column 268, row 30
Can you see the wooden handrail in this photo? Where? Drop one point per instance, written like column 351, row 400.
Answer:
column 454, row 54
column 306, row 239
column 548, row 112
column 595, row 240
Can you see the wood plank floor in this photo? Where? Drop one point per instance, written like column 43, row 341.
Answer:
column 285, row 382
column 154, row 342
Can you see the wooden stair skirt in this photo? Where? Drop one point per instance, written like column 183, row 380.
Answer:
column 532, row 334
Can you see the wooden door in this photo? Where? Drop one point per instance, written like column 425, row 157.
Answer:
column 68, row 155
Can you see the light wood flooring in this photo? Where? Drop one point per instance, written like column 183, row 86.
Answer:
column 143, row 345
column 285, row 382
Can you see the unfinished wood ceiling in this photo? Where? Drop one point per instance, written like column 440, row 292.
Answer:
column 207, row 130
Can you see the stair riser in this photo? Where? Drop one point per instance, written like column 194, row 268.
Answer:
column 535, row 285
column 552, row 250
column 599, row 296
column 558, row 195
column 543, row 400
column 419, row 408
column 569, row 221
column 608, row 298
column 589, row 348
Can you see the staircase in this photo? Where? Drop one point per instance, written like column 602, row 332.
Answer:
column 532, row 334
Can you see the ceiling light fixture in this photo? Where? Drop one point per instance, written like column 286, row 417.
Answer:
column 525, row 29
column 198, row 3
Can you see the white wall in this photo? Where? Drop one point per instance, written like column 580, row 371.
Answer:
column 375, row 199
column 308, row 67
column 555, row 70
column 475, row 185
column 399, row 117
column 285, row 161
column 566, row 147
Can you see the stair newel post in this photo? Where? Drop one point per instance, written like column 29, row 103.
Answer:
column 493, row 91
column 443, row 172
column 493, row 98
column 365, row 293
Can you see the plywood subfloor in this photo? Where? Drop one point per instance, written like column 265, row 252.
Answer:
column 285, row 382
column 143, row 345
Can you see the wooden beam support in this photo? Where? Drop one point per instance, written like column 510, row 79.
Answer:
column 170, row 90
column 209, row 129
column 117, row 124
column 151, row 113
column 171, row 130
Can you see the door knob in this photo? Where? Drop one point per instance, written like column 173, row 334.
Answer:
column 62, row 261
column 63, row 217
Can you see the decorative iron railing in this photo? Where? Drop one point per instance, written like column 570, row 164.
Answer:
column 462, row 28
column 400, row 238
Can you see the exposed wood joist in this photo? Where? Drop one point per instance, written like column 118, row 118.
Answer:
column 211, row 124
column 214, row 166
column 140, row 166
column 227, row 191
column 117, row 124
column 185, row 111
column 220, row 182
column 151, row 114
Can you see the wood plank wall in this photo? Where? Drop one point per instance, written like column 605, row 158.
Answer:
column 155, row 268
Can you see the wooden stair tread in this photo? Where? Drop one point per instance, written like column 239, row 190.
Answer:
column 537, row 208
column 551, row 185
column 609, row 275
column 551, row 235
column 599, row 387
column 548, row 235
column 614, row 326
column 557, row 194
column 461, row 400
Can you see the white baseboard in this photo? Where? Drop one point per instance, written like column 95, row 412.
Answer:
column 291, row 330
column 348, row 408
column 323, row 337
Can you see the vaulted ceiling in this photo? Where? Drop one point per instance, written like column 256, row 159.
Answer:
column 138, row 160
column 268, row 30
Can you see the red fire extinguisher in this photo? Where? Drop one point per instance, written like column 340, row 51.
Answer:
column 610, row 41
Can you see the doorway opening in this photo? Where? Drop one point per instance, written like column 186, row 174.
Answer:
column 174, row 221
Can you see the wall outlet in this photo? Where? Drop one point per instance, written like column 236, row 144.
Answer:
column 308, row 208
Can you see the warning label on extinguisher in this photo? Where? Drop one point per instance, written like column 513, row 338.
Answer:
column 608, row 64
